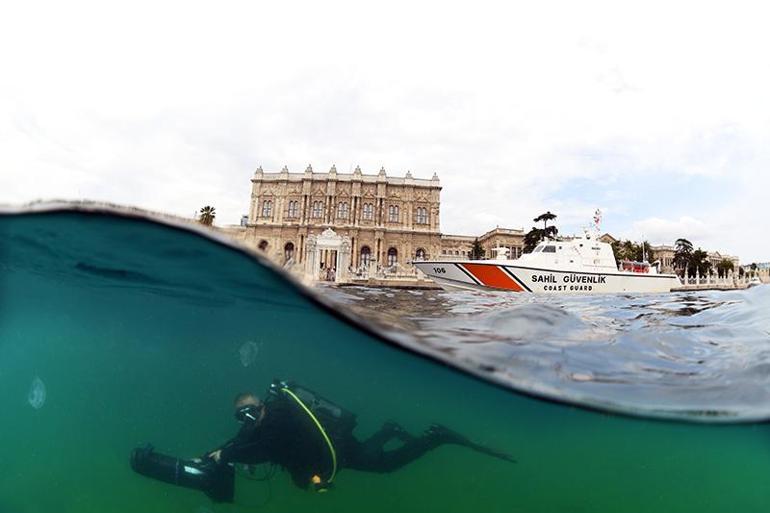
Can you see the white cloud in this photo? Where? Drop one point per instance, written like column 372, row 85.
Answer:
column 171, row 106
column 666, row 231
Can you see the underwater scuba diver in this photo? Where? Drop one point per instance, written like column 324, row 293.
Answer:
column 305, row 434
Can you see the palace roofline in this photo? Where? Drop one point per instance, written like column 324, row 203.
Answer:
column 376, row 228
column 502, row 231
column 356, row 176
column 469, row 238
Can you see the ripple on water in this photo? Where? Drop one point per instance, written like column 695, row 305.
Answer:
column 669, row 354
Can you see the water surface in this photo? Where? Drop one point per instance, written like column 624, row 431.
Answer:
column 141, row 332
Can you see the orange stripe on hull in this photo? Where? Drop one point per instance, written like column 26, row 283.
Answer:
column 492, row 276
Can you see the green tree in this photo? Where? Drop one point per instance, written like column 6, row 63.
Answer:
column 477, row 251
column 628, row 250
column 623, row 250
column 644, row 252
column 724, row 267
column 699, row 263
column 532, row 238
column 551, row 232
column 548, row 216
column 682, row 254
column 535, row 235
column 207, row 215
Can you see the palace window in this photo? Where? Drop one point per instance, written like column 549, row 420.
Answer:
column 422, row 215
column 368, row 211
column 392, row 257
column 393, row 213
column 366, row 255
column 293, row 210
column 288, row 251
column 420, row 254
column 342, row 211
column 262, row 245
column 318, row 207
column 267, row 208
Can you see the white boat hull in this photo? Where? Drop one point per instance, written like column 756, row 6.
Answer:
column 517, row 278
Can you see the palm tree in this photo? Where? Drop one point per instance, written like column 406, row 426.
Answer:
column 548, row 216
column 549, row 232
column 207, row 215
column 699, row 262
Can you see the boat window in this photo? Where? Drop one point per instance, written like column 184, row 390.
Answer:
column 538, row 249
column 549, row 249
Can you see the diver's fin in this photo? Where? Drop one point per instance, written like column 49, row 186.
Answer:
column 450, row 436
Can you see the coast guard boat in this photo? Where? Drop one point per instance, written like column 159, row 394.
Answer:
column 582, row 265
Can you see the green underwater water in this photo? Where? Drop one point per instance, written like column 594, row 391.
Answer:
column 135, row 329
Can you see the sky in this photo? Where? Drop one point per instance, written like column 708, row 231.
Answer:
column 657, row 113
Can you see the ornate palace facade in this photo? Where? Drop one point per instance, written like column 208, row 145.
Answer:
column 389, row 220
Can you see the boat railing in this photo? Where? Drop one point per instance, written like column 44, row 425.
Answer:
column 634, row 267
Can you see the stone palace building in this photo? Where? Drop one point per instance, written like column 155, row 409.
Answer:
column 390, row 221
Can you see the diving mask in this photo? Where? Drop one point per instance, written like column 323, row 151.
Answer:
column 249, row 413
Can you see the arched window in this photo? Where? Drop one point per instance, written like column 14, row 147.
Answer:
column 317, row 209
column 342, row 210
column 288, row 251
column 366, row 255
column 422, row 215
column 393, row 213
column 293, row 209
column 392, row 257
column 368, row 211
column 420, row 254
column 262, row 245
column 267, row 208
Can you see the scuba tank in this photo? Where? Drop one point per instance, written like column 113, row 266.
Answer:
column 335, row 418
column 332, row 421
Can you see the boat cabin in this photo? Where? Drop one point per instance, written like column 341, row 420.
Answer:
column 585, row 253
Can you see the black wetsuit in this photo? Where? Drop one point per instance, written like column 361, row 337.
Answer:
column 287, row 436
